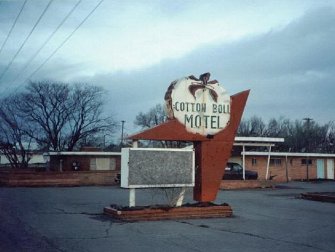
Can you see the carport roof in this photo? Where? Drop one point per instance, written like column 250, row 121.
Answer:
column 257, row 141
column 288, row 154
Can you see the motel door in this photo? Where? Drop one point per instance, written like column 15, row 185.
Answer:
column 330, row 168
column 320, row 166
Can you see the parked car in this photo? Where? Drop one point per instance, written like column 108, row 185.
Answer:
column 235, row 171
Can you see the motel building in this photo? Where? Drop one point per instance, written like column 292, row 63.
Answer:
column 281, row 166
column 253, row 153
column 87, row 159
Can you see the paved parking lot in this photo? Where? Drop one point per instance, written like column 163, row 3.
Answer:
column 70, row 219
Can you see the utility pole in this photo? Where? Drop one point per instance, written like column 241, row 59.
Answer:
column 308, row 121
column 122, row 126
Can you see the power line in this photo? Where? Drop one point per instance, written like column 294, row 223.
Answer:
column 47, row 40
column 26, row 39
column 65, row 40
column 13, row 25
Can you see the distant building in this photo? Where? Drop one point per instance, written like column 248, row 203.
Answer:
column 282, row 166
column 270, row 165
column 84, row 161
column 286, row 166
column 36, row 160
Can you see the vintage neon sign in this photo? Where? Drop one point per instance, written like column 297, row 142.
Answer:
column 201, row 105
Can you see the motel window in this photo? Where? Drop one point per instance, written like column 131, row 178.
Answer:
column 254, row 161
column 275, row 161
column 305, row 160
column 93, row 164
column 102, row 163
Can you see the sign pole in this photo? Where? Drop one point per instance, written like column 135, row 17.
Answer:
column 132, row 197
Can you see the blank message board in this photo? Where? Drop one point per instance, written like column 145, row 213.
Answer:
column 153, row 167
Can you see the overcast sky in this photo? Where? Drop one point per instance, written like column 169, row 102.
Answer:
column 284, row 51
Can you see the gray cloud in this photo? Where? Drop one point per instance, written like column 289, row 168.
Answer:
column 290, row 72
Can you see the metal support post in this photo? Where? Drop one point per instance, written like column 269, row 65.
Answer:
column 268, row 163
column 181, row 197
column 132, row 197
column 243, row 162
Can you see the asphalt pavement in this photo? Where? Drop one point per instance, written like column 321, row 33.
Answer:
column 71, row 219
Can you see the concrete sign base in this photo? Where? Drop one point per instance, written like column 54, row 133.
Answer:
column 169, row 213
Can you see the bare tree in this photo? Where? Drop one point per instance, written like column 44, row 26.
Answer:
column 62, row 114
column 46, row 107
column 330, row 138
column 277, row 127
column 153, row 117
column 299, row 137
column 252, row 127
column 14, row 140
column 86, row 118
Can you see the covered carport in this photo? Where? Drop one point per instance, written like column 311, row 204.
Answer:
column 267, row 142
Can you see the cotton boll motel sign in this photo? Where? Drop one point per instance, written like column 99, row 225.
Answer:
column 201, row 105
column 201, row 111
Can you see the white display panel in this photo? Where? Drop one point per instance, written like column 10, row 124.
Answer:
column 153, row 167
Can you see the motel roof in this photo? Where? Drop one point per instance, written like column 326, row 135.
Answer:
column 84, row 153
